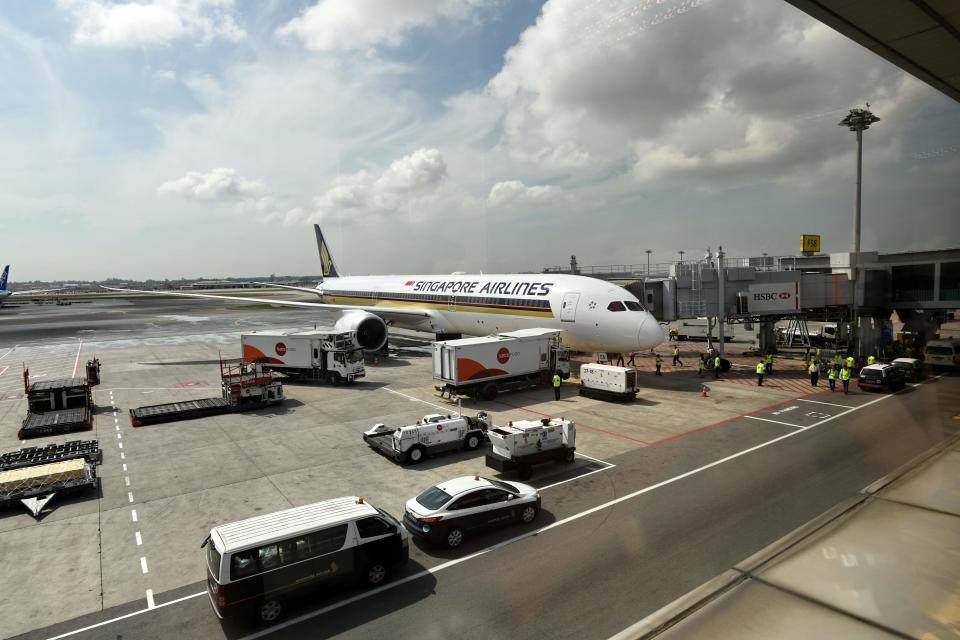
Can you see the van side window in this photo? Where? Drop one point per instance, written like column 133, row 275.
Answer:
column 327, row 540
column 374, row 526
column 269, row 557
column 243, row 564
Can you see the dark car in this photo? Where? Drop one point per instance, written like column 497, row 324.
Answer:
column 912, row 368
column 881, row 377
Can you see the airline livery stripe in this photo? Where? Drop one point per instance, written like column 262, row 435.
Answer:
column 451, row 302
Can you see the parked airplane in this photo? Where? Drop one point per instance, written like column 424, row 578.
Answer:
column 6, row 293
column 594, row 315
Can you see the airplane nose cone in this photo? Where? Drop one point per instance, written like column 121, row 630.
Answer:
column 651, row 333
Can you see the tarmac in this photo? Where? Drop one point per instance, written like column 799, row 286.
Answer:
column 135, row 546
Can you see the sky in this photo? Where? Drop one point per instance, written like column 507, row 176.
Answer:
column 202, row 138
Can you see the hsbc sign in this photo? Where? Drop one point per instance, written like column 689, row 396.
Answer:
column 774, row 298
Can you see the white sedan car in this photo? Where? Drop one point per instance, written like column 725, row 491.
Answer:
column 447, row 512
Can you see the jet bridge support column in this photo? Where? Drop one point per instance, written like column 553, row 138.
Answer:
column 768, row 337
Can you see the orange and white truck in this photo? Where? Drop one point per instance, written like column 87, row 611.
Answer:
column 325, row 356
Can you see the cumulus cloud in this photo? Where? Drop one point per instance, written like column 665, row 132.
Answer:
column 133, row 24
column 332, row 25
column 410, row 176
column 217, row 184
column 514, row 193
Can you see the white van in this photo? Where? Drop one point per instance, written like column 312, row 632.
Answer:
column 943, row 353
column 254, row 564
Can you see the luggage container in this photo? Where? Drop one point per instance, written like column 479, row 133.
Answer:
column 524, row 443
column 608, row 382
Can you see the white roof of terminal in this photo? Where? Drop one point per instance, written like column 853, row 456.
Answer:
column 282, row 524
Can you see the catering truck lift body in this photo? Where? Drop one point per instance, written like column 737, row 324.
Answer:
column 524, row 443
column 483, row 367
column 325, row 356
column 435, row 434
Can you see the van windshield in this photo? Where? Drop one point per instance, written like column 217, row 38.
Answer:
column 939, row 351
column 433, row 498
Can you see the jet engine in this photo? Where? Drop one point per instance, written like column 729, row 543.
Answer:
column 371, row 330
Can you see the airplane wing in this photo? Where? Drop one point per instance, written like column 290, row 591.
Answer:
column 379, row 311
column 29, row 292
column 289, row 286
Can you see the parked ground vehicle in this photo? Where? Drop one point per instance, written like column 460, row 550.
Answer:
column 912, row 368
column 434, row 434
column 324, row 356
column 608, row 382
column 699, row 329
column 447, row 512
column 881, row 377
column 483, row 367
column 943, row 354
column 524, row 443
column 257, row 563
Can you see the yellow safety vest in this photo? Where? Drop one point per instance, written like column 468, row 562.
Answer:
column 556, row 380
column 844, row 374
column 849, row 361
column 716, row 362
column 832, row 374
column 659, row 359
column 770, row 359
column 701, row 365
column 676, row 351
column 812, row 369
column 870, row 359
column 760, row 367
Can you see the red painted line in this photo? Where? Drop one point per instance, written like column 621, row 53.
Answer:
column 579, row 424
column 77, row 361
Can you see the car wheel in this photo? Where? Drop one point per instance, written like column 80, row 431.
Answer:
column 569, row 456
column 415, row 455
column 454, row 537
column 270, row 610
column 472, row 442
column 528, row 514
column 376, row 574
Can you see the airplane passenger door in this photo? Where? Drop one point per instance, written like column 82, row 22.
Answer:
column 568, row 308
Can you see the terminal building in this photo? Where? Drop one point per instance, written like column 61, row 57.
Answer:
column 922, row 287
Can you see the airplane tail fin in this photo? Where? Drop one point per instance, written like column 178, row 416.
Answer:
column 327, row 268
column 3, row 278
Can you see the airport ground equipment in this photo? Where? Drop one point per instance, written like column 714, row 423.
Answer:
column 483, row 367
column 329, row 356
column 89, row 450
column 49, row 423
column 434, row 434
column 67, row 393
column 245, row 387
column 524, row 443
column 35, row 475
column 608, row 382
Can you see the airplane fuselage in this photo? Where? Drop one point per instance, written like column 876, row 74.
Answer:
column 594, row 315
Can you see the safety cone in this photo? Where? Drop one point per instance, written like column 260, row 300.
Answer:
column 703, row 391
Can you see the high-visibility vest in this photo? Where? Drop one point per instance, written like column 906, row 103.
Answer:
column 849, row 362
column 832, row 374
column 837, row 359
column 556, row 380
column 659, row 359
column 716, row 362
column 844, row 374
column 701, row 365
column 676, row 351
column 769, row 358
column 871, row 359
column 760, row 368
column 813, row 368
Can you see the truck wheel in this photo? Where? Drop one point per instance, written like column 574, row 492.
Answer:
column 415, row 455
column 525, row 471
column 472, row 441
column 528, row 514
column 454, row 537
column 270, row 610
column 569, row 456
column 489, row 391
column 376, row 573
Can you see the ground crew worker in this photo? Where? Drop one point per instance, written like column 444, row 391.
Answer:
column 832, row 378
column 814, row 372
column 845, row 379
column 676, row 356
column 870, row 359
column 818, row 354
column 630, row 362
column 659, row 364
column 674, row 334
column 761, row 368
column 619, row 359
column 837, row 360
column 770, row 364
column 557, row 381
column 716, row 367
column 701, row 365
column 850, row 362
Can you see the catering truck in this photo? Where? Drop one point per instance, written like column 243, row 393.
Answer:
column 483, row 367
column 524, row 443
column 435, row 433
column 607, row 382
column 325, row 355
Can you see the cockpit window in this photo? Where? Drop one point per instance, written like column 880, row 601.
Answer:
column 633, row 305
column 616, row 305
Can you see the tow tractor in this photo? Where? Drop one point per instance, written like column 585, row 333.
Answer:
column 435, row 433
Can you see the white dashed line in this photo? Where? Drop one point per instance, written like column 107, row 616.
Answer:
column 150, row 604
column 124, row 466
column 126, row 480
column 129, row 496
column 123, row 456
column 143, row 564
column 786, row 424
column 139, row 539
column 829, row 404
column 119, row 436
column 120, row 444
column 133, row 514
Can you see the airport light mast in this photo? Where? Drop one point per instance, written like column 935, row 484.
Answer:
column 648, row 252
column 858, row 120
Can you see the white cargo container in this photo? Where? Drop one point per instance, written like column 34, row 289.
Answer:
column 606, row 381
column 327, row 356
column 524, row 443
column 482, row 367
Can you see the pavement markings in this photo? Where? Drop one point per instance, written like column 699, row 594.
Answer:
column 123, row 456
column 124, row 466
column 413, row 399
column 130, row 496
column 138, row 537
column 143, row 565
column 126, row 480
column 119, row 436
column 77, row 361
column 120, row 444
column 4, row 370
column 150, row 604
column 831, row 404
column 133, row 514
column 495, row 547
column 786, row 424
